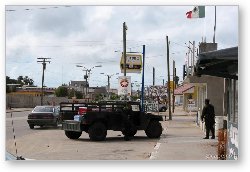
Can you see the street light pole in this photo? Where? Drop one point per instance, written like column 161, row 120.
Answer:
column 108, row 86
column 169, row 98
column 173, row 100
column 86, row 82
column 86, row 76
column 109, row 77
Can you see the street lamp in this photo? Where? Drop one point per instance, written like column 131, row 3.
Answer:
column 109, row 76
column 86, row 76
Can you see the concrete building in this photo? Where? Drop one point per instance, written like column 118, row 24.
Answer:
column 224, row 65
column 207, row 86
column 81, row 86
column 179, row 92
column 33, row 91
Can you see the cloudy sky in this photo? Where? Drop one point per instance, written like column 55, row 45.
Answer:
column 92, row 35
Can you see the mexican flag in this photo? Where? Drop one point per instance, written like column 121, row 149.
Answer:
column 197, row 12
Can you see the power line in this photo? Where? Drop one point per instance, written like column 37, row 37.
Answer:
column 40, row 8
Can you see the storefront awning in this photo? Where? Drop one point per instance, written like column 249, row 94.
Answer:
column 220, row 63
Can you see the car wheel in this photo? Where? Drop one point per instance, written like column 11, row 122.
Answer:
column 97, row 131
column 31, row 126
column 154, row 129
column 163, row 109
column 73, row 134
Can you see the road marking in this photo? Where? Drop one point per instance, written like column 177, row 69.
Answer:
column 153, row 154
column 162, row 139
column 157, row 146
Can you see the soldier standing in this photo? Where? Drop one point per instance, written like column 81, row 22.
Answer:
column 208, row 114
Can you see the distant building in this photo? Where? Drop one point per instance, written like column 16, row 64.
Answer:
column 12, row 87
column 113, row 90
column 80, row 86
column 182, row 93
column 34, row 91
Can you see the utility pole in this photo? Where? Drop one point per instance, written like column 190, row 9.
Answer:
column 109, row 86
column 43, row 61
column 124, row 47
column 86, row 83
column 124, row 52
column 214, row 24
column 188, row 60
column 163, row 82
column 173, row 85
column 193, row 57
column 153, row 76
column 169, row 100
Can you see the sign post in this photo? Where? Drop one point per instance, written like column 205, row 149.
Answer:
column 124, row 86
column 133, row 63
column 142, row 89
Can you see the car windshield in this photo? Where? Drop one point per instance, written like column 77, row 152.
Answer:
column 43, row 109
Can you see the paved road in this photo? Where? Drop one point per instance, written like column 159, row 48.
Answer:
column 49, row 143
column 20, row 124
column 181, row 140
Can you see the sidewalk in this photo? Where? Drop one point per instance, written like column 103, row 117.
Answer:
column 18, row 110
column 182, row 139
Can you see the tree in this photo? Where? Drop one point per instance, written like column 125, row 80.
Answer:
column 71, row 93
column 74, row 93
column 20, row 80
column 25, row 80
column 61, row 92
column 114, row 96
column 78, row 94
column 10, row 81
column 28, row 81
column 135, row 97
column 98, row 97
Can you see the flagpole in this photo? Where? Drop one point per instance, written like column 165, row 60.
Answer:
column 214, row 23
column 204, row 30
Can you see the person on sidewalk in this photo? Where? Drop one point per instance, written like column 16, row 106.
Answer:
column 208, row 114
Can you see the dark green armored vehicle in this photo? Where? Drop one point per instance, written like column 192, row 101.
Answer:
column 97, row 118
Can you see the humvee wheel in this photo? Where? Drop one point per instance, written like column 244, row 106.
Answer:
column 73, row 134
column 97, row 131
column 154, row 129
column 131, row 133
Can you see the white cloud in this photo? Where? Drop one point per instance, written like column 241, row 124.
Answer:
column 91, row 34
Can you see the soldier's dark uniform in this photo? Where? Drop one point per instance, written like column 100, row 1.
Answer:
column 208, row 114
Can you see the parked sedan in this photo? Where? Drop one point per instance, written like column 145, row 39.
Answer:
column 43, row 115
